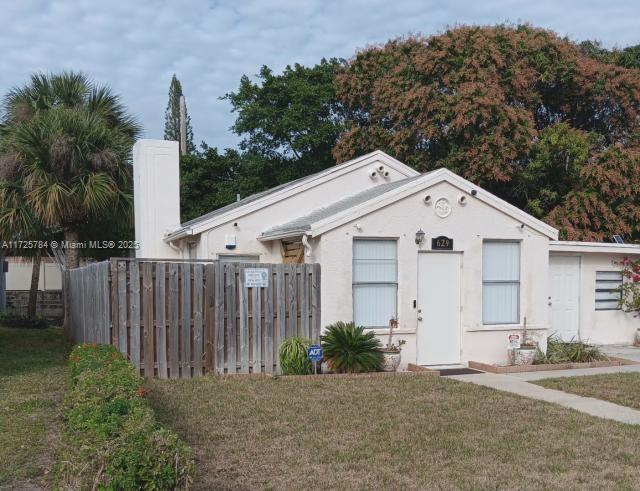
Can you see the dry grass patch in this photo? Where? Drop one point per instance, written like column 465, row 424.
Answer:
column 389, row 432
column 619, row 388
column 33, row 381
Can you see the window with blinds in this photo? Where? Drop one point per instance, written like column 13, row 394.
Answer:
column 375, row 282
column 608, row 291
column 500, row 282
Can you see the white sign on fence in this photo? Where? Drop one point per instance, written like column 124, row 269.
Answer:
column 256, row 277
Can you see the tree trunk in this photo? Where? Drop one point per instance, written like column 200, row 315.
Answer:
column 33, row 290
column 72, row 254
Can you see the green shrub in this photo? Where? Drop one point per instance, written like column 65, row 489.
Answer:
column 293, row 356
column 559, row 351
column 113, row 439
column 349, row 349
column 91, row 357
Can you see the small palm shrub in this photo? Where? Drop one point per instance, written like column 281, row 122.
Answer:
column 559, row 351
column 348, row 349
column 293, row 356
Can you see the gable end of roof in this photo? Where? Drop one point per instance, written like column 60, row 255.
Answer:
column 264, row 198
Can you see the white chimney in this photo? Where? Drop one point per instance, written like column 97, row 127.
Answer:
column 156, row 196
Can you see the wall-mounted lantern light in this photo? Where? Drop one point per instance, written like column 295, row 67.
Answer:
column 419, row 236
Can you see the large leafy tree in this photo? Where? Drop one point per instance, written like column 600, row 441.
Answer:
column 628, row 57
column 68, row 141
column 556, row 162
column 479, row 101
column 292, row 119
column 289, row 124
column 605, row 200
column 210, row 180
column 172, row 116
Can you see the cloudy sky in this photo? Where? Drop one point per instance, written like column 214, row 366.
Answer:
column 136, row 45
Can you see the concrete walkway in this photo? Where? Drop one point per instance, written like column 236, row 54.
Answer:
column 576, row 372
column 626, row 351
column 515, row 385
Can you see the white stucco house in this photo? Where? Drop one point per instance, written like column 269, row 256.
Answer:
column 459, row 268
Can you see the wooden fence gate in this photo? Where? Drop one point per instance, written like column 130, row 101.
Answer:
column 186, row 318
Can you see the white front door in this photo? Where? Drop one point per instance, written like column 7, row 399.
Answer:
column 564, row 296
column 438, row 308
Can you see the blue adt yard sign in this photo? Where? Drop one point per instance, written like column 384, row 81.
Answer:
column 315, row 354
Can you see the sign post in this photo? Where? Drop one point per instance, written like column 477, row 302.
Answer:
column 315, row 354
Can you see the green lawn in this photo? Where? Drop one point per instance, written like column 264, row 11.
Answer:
column 33, row 378
column 620, row 388
column 414, row 432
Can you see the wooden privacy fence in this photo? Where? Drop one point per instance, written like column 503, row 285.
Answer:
column 186, row 318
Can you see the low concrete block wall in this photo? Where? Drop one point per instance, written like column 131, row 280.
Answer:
column 49, row 304
column 613, row 362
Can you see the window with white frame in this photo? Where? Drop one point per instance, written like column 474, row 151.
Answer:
column 375, row 282
column 500, row 282
column 608, row 292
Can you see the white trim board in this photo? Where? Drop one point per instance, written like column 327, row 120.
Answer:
column 602, row 247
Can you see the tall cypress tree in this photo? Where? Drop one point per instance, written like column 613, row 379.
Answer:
column 172, row 116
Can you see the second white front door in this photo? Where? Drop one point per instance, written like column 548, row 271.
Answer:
column 438, row 308
column 564, row 296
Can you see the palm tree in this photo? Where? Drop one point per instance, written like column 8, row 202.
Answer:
column 68, row 141
column 17, row 222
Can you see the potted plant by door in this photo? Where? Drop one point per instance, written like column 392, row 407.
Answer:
column 391, row 352
column 526, row 353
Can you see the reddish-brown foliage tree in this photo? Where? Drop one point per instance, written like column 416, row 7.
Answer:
column 606, row 200
column 475, row 99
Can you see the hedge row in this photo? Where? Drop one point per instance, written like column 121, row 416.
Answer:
column 113, row 439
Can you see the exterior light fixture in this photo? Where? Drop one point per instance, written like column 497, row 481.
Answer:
column 419, row 236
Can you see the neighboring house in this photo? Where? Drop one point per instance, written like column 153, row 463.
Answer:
column 18, row 284
column 20, row 269
column 460, row 268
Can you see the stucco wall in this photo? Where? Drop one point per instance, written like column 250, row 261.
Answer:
column 156, row 196
column 601, row 326
column 468, row 225
column 248, row 227
column 19, row 274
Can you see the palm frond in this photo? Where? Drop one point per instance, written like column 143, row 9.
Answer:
column 97, row 192
column 69, row 143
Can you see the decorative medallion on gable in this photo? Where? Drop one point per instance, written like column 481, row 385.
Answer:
column 442, row 207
